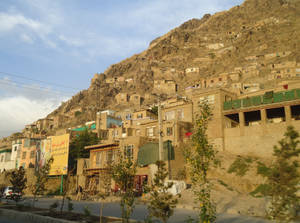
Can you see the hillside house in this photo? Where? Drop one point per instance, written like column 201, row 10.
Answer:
column 192, row 70
column 28, row 152
column 129, row 80
column 5, row 159
column 122, row 98
column 110, row 80
column 121, row 79
column 135, row 99
column 165, row 86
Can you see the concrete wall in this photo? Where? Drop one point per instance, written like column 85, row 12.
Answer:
column 256, row 140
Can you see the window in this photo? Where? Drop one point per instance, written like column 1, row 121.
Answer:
column 150, row 131
column 169, row 131
column 128, row 151
column 170, row 115
column 115, row 133
column 180, row 115
column 140, row 115
column 15, row 149
column 109, row 156
column 128, row 117
column 211, row 81
column 98, row 158
column 220, row 78
column 32, row 154
column 23, row 155
column 2, row 158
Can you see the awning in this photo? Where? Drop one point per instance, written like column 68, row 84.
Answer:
column 148, row 153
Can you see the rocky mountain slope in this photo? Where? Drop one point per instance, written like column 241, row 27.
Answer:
column 214, row 44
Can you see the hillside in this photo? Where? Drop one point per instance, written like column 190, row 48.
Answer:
column 228, row 41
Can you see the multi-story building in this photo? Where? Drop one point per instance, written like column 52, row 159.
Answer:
column 28, row 152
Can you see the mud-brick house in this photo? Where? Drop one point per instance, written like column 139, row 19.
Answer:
column 164, row 86
column 103, row 155
column 28, row 152
column 122, row 98
column 16, row 152
column 135, row 99
column 5, row 159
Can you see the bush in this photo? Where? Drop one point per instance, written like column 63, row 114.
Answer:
column 240, row 166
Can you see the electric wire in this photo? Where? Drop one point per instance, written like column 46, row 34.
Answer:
column 40, row 89
column 41, row 81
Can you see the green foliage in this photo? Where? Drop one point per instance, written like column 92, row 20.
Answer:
column 123, row 173
column 76, row 149
column 41, row 179
column 162, row 203
column 154, row 110
column 53, row 206
column 261, row 190
column 18, row 180
column 87, row 211
column 225, row 185
column 283, row 177
column 262, row 169
column 240, row 166
column 200, row 157
column 77, row 113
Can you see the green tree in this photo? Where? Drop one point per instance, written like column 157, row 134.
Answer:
column 123, row 173
column 283, row 177
column 18, row 180
column 105, row 181
column 162, row 202
column 76, row 151
column 200, row 157
column 41, row 179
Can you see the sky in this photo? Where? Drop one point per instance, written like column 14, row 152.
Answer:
column 50, row 49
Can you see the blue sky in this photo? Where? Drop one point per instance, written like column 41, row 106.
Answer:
column 63, row 43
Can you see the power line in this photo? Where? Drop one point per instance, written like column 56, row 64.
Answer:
column 46, row 90
column 45, row 82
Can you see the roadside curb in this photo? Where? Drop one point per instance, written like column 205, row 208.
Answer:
column 30, row 217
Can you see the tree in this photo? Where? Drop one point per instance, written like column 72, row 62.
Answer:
column 18, row 180
column 41, row 179
column 85, row 138
column 200, row 157
column 123, row 173
column 283, row 177
column 105, row 181
column 66, row 188
column 162, row 202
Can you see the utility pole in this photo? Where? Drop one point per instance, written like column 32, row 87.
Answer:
column 160, row 131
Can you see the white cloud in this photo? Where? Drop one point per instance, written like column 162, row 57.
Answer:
column 23, row 104
column 10, row 21
column 16, row 112
column 71, row 41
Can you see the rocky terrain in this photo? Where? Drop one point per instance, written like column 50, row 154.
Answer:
column 219, row 43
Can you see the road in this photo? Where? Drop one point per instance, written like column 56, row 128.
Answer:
column 140, row 211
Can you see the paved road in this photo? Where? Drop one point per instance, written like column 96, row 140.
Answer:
column 140, row 212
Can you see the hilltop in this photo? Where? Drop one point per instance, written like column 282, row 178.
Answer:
column 248, row 40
